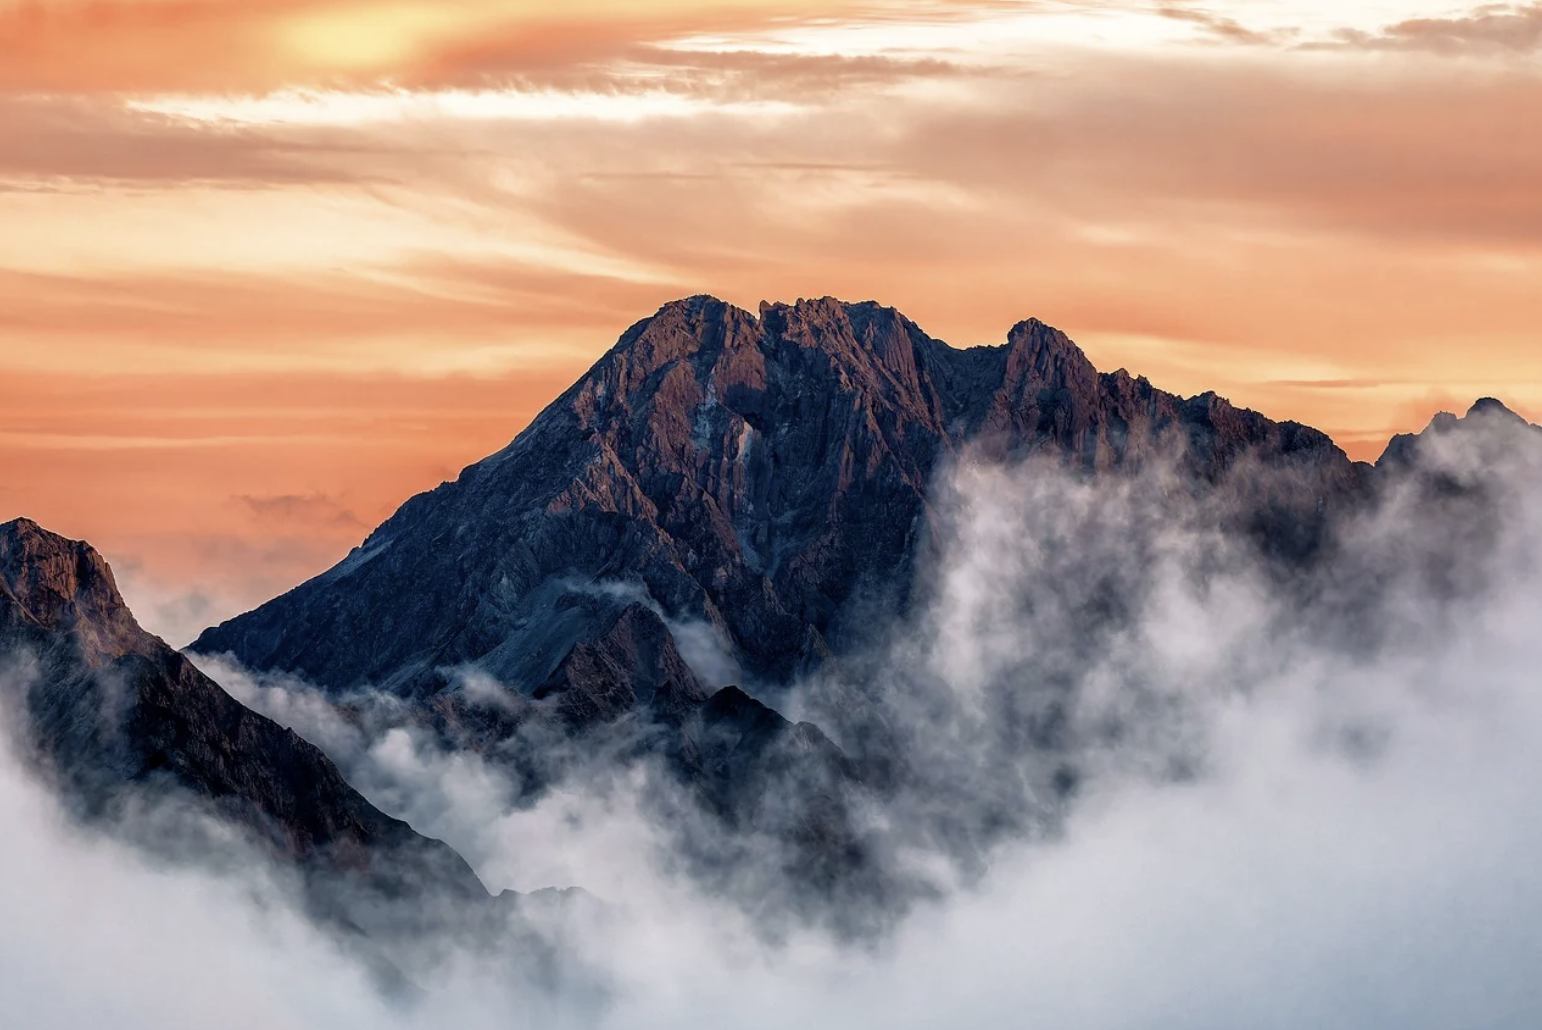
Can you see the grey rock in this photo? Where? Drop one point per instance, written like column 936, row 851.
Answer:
column 767, row 479
column 117, row 715
column 766, row 476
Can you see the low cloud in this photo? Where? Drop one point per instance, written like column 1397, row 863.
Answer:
column 303, row 509
column 1291, row 807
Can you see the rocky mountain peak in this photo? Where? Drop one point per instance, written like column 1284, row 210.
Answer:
column 114, row 713
column 1488, row 426
column 1492, row 407
column 64, row 586
column 764, row 475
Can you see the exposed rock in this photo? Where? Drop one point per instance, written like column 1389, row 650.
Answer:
column 766, row 476
column 119, row 716
column 635, row 664
column 768, row 480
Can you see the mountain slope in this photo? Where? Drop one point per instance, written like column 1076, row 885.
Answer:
column 765, row 477
column 728, row 497
column 120, row 717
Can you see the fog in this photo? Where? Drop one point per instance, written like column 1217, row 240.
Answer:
column 1251, row 801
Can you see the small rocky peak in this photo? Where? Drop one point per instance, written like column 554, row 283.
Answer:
column 890, row 337
column 1044, row 354
column 64, row 586
column 1210, row 407
column 663, row 362
column 1039, row 339
column 1492, row 408
column 691, row 329
column 1489, row 423
column 819, row 324
column 731, row 707
column 865, row 347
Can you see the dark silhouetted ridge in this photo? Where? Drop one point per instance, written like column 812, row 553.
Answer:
column 116, row 712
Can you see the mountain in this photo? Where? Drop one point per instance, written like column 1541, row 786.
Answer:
column 1488, row 425
column 765, row 479
column 737, row 498
column 122, row 721
column 1468, row 481
column 725, row 505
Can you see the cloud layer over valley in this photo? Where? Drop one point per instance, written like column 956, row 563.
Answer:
column 1240, row 798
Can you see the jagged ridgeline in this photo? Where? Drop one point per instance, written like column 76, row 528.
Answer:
column 731, row 498
column 767, row 476
column 728, row 514
column 121, row 722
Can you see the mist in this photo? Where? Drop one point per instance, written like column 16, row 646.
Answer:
column 1150, row 782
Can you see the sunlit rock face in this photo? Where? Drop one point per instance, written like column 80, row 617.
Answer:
column 122, row 722
column 765, row 477
column 737, row 498
column 732, row 514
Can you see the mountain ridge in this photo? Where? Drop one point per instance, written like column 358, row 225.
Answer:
column 762, row 488
column 726, row 503
column 113, row 710
column 722, row 436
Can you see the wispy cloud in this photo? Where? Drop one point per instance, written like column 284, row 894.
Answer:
column 304, row 509
column 1488, row 29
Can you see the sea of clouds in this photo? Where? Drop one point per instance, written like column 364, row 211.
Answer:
column 1152, row 783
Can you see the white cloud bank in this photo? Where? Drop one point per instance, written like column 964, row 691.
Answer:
column 1355, row 846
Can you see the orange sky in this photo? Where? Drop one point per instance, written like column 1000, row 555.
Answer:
column 268, row 267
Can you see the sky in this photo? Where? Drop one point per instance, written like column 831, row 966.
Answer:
column 269, row 267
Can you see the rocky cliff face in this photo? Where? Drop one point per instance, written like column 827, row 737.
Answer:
column 766, row 477
column 119, row 717
column 728, row 497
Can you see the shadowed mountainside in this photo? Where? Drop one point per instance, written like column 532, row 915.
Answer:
column 120, row 718
column 728, row 497
column 766, row 477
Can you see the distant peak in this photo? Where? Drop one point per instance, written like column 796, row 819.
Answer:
column 1041, row 335
column 1482, row 408
column 694, row 304
column 816, row 310
column 1490, row 406
column 60, row 584
column 23, row 539
column 689, row 311
column 21, row 526
column 1485, row 411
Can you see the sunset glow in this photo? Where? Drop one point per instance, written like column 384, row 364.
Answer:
column 268, row 268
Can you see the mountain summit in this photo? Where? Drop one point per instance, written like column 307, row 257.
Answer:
column 762, row 480
column 727, row 500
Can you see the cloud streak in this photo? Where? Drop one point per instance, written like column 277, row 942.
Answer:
column 1489, row 29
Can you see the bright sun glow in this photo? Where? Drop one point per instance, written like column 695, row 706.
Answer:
column 322, row 108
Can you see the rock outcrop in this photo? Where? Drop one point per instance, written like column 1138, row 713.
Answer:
column 119, row 718
column 766, row 477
